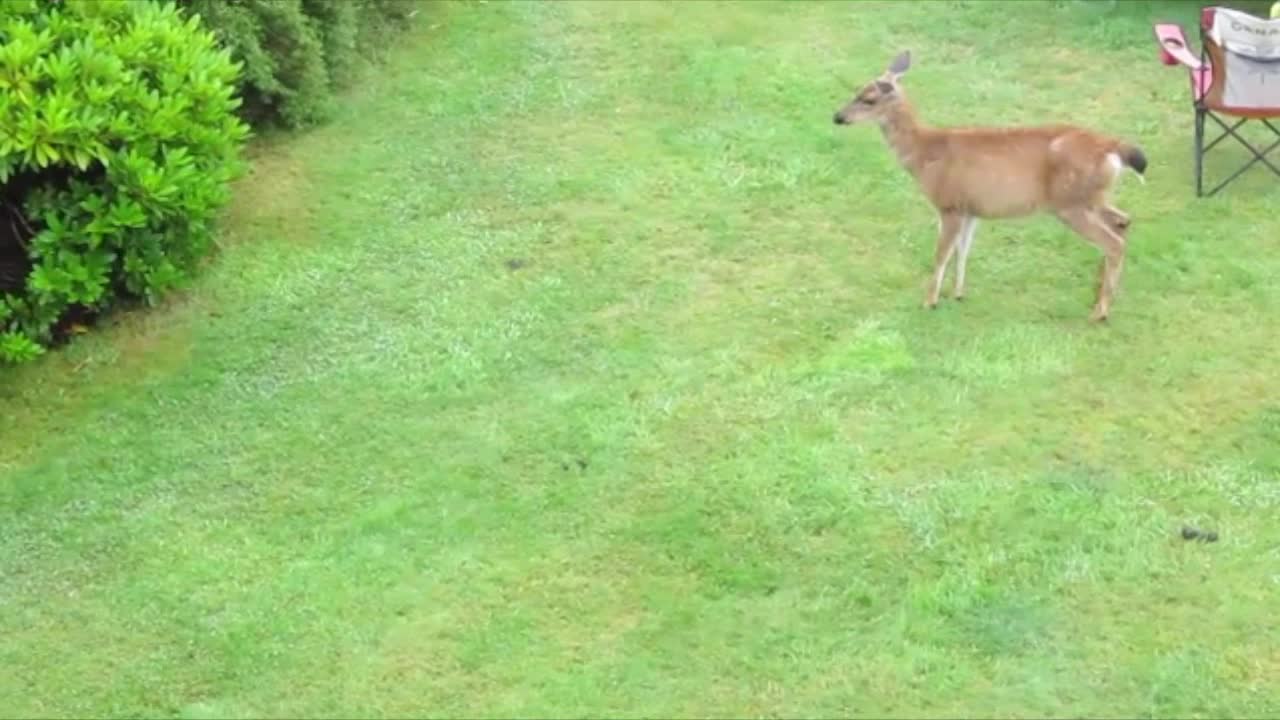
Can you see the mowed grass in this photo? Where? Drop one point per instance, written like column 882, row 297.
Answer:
column 578, row 369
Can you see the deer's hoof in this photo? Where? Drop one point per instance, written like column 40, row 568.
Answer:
column 1098, row 316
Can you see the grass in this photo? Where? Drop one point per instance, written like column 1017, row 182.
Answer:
column 578, row 369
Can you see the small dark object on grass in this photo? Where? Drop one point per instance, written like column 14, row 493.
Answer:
column 1190, row 533
column 580, row 462
column 516, row 263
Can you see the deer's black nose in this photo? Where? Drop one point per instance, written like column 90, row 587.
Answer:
column 837, row 119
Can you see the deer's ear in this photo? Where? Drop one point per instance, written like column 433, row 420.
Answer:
column 901, row 63
column 885, row 88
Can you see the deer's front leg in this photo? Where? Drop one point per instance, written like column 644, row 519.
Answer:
column 965, row 242
column 949, row 226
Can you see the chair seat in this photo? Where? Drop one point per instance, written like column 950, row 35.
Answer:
column 1175, row 51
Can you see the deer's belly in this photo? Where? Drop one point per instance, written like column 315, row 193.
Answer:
column 1005, row 207
column 994, row 194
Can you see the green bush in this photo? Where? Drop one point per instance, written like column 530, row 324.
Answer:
column 118, row 140
column 297, row 52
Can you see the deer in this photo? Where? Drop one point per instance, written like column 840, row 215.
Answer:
column 973, row 173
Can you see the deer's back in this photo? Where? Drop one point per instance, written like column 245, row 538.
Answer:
column 1011, row 172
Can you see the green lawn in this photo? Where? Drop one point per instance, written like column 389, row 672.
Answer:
column 579, row 368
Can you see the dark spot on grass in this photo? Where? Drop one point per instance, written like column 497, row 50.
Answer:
column 1191, row 533
column 567, row 465
column 514, row 264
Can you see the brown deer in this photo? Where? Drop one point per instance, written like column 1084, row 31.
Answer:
column 972, row 173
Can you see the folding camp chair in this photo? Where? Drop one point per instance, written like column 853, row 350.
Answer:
column 1236, row 76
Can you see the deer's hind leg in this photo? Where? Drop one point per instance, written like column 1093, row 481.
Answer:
column 950, row 225
column 1098, row 226
column 1116, row 219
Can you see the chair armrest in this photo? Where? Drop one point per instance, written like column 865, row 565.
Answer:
column 1173, row 46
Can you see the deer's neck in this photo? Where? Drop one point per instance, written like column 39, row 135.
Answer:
column 903, row 132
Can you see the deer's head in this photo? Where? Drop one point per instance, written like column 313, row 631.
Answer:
column 874, row 99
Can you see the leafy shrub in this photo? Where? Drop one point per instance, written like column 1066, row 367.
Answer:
column 297, row 52
column 118, row 139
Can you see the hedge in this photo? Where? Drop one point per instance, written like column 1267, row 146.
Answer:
column 297, row 53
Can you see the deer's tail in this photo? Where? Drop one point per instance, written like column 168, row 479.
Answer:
column 1133, row 156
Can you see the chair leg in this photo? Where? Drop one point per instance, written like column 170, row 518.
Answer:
column 1199, row 152
column 1259, row 156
